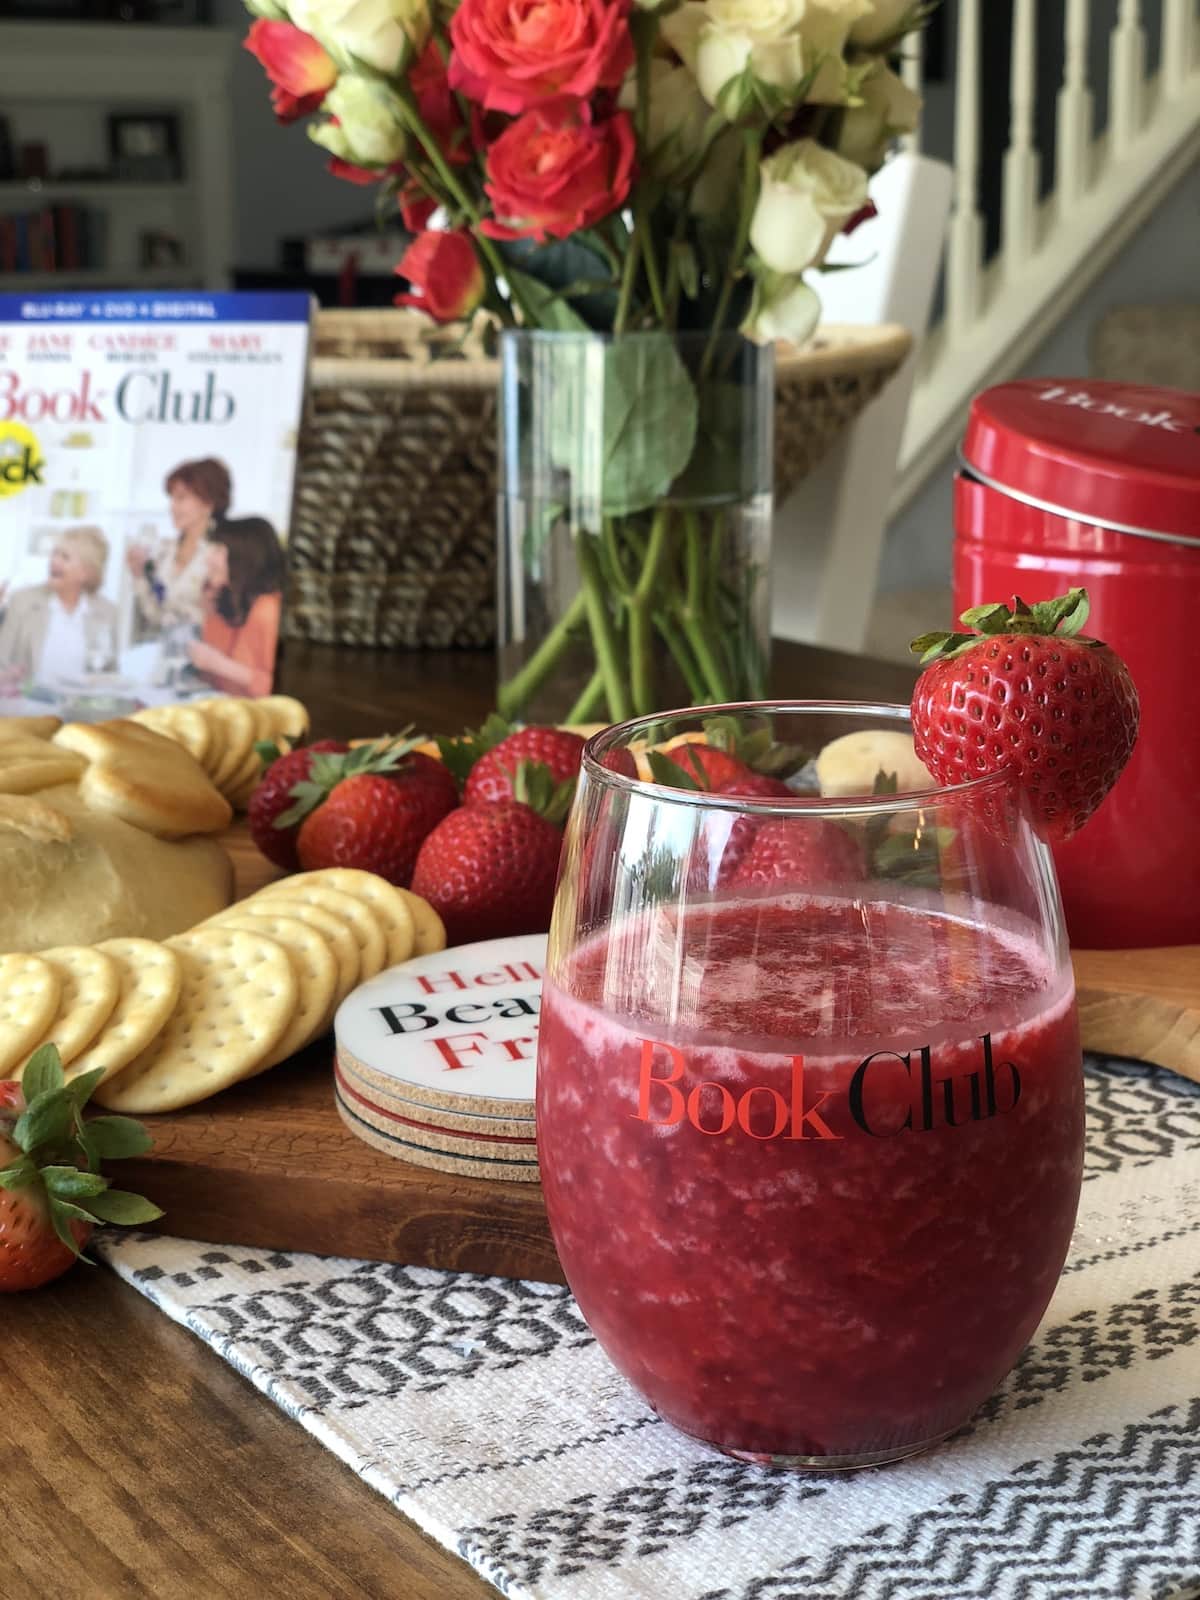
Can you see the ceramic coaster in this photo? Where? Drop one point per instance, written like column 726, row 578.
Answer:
column 496, row 1168
column 380, row 1093
column 455, row 1030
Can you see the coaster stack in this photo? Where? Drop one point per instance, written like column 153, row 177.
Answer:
column 436, row 1059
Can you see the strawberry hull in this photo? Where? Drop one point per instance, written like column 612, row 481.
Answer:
column 820, row 1222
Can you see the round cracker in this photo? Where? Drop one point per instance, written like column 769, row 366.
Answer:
column 364, row 923
column 429, row 929
column 242, row 783
column 288, row 717
column 232, row 725
column 91, row 986
column 316, row 972
column 239, row 994
column 149, row 976
column 29, row 993
column 336, row 933
column 390, row 905
column 184, row 724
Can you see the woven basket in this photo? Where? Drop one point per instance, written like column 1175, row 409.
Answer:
column 393, row 535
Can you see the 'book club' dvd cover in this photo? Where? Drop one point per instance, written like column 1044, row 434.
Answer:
column 147, row 465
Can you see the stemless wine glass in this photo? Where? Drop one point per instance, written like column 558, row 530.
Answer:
column 810, row 1095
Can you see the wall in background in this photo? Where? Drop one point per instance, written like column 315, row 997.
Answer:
column 281, row 189
column 1162, row 264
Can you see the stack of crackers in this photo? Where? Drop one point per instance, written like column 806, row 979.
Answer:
column 173, row 1022
column 223, row 735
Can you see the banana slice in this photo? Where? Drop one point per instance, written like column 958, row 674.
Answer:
column 849, row 765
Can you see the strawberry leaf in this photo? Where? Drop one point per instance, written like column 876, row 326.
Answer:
column 1064, row 616
column 331, row 767
column 45, row 1120
column 534, row 785
column 19, row 1175
column 461, row 754
column 68, row 1183
column 268, row 752
column 666, row 771
column 885, row 783
column 43, row 1071
column 125, row 1209
column 79, row 1090
column 115, row 1138
column 307, row 797
column 62, row 1213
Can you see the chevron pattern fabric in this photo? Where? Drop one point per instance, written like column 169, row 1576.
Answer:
column 484, row 1411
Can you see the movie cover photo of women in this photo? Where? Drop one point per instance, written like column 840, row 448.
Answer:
column 111, row 624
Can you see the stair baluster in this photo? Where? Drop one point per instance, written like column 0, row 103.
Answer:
column 1127, row 76
column 1073, row 167
column 965, row 242
column 1178, row 45
column 1021, row 159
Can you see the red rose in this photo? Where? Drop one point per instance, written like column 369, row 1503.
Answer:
column 513, row 54
column 416, row 207
column 554, row 171
column 300, row 70
column 445, row 268
column 437, row 106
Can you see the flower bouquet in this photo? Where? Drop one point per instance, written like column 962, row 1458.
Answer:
column 634, row 194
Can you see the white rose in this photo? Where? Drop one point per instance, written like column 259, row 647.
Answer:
column 781, row 41
column 889, row 107
column 783, row 308
column 676, row 116
column 369, row 133
column 807, row 194
column 885, row 19
column 681, row 29
column 374, row 32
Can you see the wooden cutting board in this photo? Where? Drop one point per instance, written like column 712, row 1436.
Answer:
column 1142, row 1003
column 269, row 1163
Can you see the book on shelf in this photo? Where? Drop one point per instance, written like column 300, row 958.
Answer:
column 56, row 238
column 147, row 461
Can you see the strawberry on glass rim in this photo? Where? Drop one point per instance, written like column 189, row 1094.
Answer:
column 1027, row 691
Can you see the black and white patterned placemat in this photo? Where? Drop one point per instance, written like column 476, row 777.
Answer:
column 484, row 1411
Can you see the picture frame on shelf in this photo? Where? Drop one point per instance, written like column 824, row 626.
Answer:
column 157, row 247
column 144, row 147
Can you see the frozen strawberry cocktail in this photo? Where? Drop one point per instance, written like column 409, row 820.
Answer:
column 811, row 1164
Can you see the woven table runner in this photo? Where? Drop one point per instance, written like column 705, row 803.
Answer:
column 483, row 1409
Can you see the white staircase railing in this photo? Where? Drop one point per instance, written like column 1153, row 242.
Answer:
column 996, row 314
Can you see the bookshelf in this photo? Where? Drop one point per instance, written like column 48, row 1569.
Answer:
column 60, row 84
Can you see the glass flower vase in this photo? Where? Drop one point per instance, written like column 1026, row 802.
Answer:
column 635, row 500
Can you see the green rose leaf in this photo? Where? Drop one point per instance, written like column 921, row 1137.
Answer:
column 650, row 419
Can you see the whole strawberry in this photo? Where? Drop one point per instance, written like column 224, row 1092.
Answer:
column 620, row 761
column 52, row 1193
column 493, row 776
column 490, row 870
column 376, row 822
column 273, row 797
column 1027, row 692
column 801, row 853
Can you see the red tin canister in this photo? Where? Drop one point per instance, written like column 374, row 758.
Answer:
column 1070, row 481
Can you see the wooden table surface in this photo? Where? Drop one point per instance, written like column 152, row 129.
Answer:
column 136, row 1461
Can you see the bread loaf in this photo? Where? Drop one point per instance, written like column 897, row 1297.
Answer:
column 74, row 876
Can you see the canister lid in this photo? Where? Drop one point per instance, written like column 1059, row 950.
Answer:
column 1122, row 455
